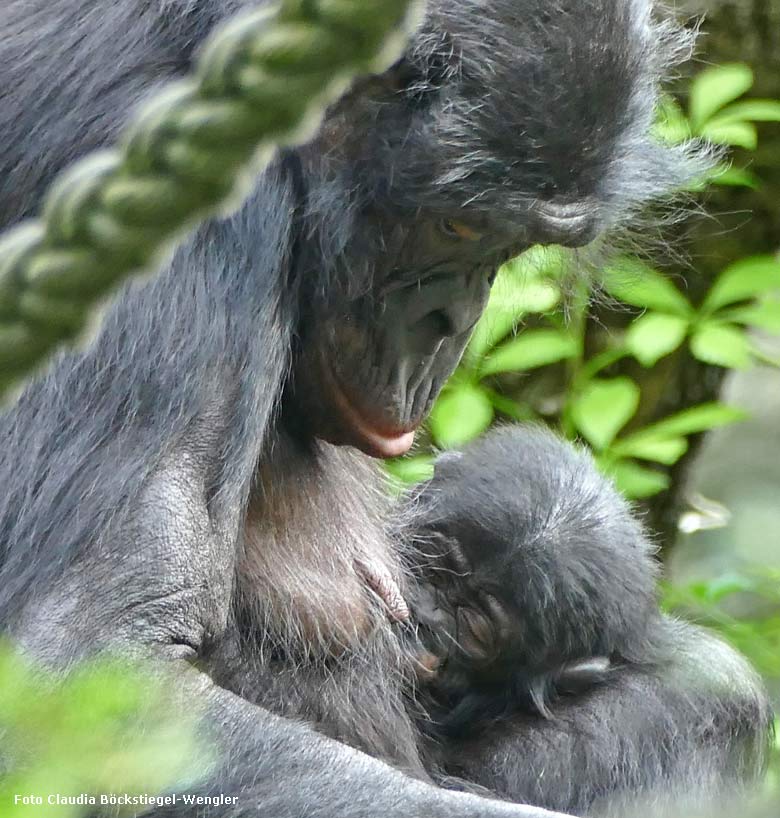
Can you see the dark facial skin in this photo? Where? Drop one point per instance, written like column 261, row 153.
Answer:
column 374, row 366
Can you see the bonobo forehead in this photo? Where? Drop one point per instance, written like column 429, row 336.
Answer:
column 539, row 100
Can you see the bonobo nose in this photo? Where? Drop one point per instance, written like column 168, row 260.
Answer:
column 571, row 224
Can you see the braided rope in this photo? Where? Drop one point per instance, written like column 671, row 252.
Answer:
column 263, row 80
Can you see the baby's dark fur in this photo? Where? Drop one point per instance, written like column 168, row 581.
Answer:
column 535, row 603
column 535, row 577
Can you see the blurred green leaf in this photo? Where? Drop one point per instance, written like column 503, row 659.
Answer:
column 764, row 315
column 106, row 727
column 511, row 298
column 658, row 449
column 733, row 177
column 671, row 124
column 700, row 418
column 727, row 585
column 721, row 344
column 509, row 407
column 529, row 350
column 750, row 110
column 543, row 262
column 635, row 283
column 733, row 134
column 461, row 413
column 650, row 337
column 744, row 279
column 714, row 88
column 410, row 470
column 603, row 410
column 637, row 482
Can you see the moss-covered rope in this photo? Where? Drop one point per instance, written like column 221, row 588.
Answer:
column 263, row 80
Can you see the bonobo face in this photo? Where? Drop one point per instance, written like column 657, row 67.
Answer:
column 380, row 358
column 508, row 123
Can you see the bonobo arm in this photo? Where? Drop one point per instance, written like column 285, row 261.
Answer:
column 159, row 589
column 280, row 769
column 693, row 727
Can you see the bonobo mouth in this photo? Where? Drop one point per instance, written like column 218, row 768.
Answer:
column 370, row 436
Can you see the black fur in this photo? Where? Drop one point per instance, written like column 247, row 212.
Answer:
column 170, row 491
column 514, row 540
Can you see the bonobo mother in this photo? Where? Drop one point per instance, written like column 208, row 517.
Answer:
column 198, row 484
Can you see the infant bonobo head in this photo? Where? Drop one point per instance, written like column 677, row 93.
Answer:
column 508, row 123
column 533, row 574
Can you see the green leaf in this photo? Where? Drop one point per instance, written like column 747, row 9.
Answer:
column 530, row 350
column 603, row 410
column 764, row 315
column 658, row 449
column 635, row 283
column 461, row 414
column 543, row 262
column 512, row 297
column 691, row 421
column 727, row 585
column 750, row 110
column 722, row 345
column 746, row 278
column 671, row 124
column 729, row 176
column 635, row 481
column 716, row 87
column 410, row 470
column 655, row 335
column 733, row 134
column 511, row 408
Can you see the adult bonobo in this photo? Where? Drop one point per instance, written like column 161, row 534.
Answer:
column 195, row 486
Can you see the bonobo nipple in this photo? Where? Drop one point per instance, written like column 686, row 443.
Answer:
column 379, row 579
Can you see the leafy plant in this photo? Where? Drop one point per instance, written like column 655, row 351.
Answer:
column 106, row 728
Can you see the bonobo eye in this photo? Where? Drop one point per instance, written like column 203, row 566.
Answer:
column 458, row 230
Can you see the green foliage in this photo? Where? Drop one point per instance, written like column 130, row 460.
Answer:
column 719, row 604
column 104, row 728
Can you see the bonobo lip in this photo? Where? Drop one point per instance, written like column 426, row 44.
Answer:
column 369, row 437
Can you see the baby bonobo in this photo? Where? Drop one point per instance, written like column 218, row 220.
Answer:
column 534, row 580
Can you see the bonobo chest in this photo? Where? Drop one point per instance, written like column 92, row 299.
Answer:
column 318, row 628
column 316, row 570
